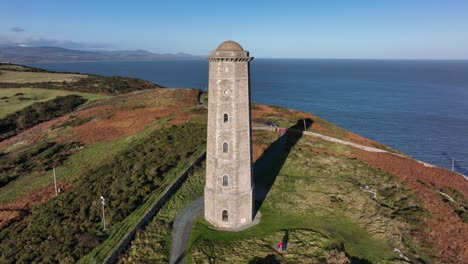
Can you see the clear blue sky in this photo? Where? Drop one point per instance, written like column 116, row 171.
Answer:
column 282, row 29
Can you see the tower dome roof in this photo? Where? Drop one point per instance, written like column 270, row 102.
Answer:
column 229, row 46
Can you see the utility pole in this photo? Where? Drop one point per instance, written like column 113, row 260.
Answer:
column 103, row 201
column 55, row 182
column 453, row 164
column 305, row 128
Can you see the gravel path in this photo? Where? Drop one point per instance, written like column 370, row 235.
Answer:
column 181, row 230
column 366, row 148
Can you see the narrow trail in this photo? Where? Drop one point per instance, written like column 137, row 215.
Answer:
column 182, row 226
column 366, row 148
column 331, row 139
column 181, row 230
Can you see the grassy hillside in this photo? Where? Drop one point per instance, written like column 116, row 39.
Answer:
column 327, row 200
column 17, row 67
column 318, row 200
column 18, row 76
column 30, row 96
column 32, row 77
column 14, row 99
column 103, row 128
column 114, row 139
column 72, row 220
column 16, row 122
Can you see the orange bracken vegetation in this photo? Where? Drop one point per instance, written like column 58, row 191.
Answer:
column 120, row 124
column 41, row 131
column 447, row 232
column 112, row 119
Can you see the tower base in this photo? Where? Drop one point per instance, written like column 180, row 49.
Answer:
column 254, row 222
column 228, row 210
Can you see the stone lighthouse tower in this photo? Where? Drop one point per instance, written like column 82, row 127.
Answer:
column 228, row 189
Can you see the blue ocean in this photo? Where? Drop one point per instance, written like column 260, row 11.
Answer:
column 419, row 107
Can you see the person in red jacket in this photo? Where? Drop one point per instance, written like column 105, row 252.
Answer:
column 280, row 247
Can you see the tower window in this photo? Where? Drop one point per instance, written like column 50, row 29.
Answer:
column 225, row 147
column 225, row 180
column 225, row 118
column 225, row 215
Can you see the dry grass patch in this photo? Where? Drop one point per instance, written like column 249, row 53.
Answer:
column 32, row 77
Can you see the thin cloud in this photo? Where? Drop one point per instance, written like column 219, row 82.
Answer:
column 17, row 29
column 21, row 40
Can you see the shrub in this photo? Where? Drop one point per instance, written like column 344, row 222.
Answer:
column 40, row 156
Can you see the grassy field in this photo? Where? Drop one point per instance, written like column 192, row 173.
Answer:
column 318, row 201
column 14, row 99
column 31, row 77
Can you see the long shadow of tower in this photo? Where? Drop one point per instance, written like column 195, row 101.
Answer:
column 268, row 166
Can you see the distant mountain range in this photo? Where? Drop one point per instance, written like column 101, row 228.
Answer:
column 16, row 54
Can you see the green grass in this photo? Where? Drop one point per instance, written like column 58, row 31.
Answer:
column 320, row 194
column 153, row 243
column 89, row 158
column 121, row 230
column 334, row 228
column 40, row 157
column 31, row 77
column 10, row 103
